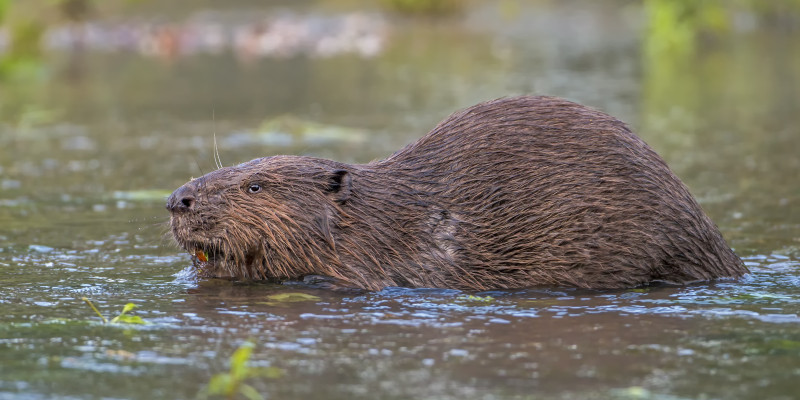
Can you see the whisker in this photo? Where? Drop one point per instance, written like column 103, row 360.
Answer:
column 217, row 159
column 198, row 167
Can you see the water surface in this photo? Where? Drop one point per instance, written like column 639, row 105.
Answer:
column 89, row 150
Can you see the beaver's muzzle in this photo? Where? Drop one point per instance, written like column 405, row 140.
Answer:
column 183, row 199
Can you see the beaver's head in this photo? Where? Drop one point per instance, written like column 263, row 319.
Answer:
column 270, row 218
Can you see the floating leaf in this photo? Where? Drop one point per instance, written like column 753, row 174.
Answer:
column 481, row 299
column 291, row 297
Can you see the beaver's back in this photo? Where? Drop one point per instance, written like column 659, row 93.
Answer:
column 538, row 190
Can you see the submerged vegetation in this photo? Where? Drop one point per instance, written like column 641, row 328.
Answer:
column 290, row 297
column 231, row 384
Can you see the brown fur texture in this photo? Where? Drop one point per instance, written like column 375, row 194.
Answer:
column 511, row 193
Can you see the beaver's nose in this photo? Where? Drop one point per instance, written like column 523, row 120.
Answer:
column 182, row 199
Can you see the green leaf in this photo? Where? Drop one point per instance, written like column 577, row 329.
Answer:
column 291, row 297
column 250, row 392
column 128, row 319
column 481, row 299
column 219, row 384
column 239, row 360
column 128, row 307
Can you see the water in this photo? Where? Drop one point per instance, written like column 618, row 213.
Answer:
column 89, row 150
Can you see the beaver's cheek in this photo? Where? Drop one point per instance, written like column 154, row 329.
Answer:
column 179, row 232
column 216, row 199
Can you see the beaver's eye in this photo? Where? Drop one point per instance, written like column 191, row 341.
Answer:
column 254, row 188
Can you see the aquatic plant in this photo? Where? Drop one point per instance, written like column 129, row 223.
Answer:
column 25, row 24
column 122, row 318
column 231, row 384
column 475, row 299
column 674, row 25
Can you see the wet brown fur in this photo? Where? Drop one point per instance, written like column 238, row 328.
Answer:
column 511, row 193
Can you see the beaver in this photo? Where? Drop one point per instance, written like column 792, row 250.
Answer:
column 511, row 193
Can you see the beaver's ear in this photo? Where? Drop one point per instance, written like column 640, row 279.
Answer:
column 339, row 183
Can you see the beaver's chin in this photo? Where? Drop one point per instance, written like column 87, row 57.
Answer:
column 215, row 262
column 209, row 261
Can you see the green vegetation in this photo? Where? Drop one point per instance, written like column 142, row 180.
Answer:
column 231, row 384
column 25, row 23
column 426, row 7
column 291, row 297
column 690, row 46
column 673, row 26
column 475, row 299
column 122, row 318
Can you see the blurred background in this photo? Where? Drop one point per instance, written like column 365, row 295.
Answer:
column 107, row 106
column 126, row 97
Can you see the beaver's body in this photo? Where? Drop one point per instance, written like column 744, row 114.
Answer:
column 510, row 193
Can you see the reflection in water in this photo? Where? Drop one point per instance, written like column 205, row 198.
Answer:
column 85, row 166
